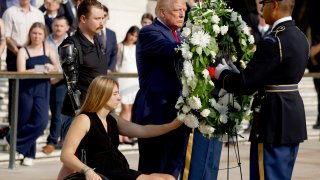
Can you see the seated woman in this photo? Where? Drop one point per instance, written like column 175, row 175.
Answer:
column 96, row 131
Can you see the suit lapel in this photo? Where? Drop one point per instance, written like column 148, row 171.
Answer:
column 165, row 31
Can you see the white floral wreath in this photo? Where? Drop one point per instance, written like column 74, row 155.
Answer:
column 213, row 31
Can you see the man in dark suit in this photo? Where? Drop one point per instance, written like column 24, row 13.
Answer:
column 157, row 63
column 275, row 70
column 108, row 39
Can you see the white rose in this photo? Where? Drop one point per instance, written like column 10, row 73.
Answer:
column 224, row 30
column 186, row 109
column 216, row 28
column 206, row 129
column 194, row 102
column 205, row 113
column 215, row 19
column 186, row 32
column 191, row 121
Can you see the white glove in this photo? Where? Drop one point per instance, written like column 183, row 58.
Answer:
column 234, row 69
column 220, row 68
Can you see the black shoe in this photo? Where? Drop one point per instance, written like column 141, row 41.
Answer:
column 316, row 126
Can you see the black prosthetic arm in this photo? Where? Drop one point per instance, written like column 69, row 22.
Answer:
column 69, row 64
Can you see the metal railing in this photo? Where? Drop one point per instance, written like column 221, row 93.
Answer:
column 16, row 76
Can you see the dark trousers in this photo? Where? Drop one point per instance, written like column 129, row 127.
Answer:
column 57, row 94
column 316, row 82
column 274, row 162
column 164, row 154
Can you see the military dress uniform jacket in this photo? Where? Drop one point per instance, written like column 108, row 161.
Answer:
column 280, row 59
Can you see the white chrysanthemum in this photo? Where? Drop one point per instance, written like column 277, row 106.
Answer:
column 224, row 30
column 234, row 16
column 205, row 113
column 191, row 121
column 194, row 102
column 240, row 18
column 186, row 31
column 187, row 55
column 223, row 118
column 251, row 39
column 212, row 102
column 185, row 90
column 206, row 129
column 215, row 19
column 216, row 28
column 188, row 69
column 186, row 109
column 205, row 73
column 200, row 38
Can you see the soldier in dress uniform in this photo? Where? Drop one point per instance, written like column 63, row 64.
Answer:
column 275, row 71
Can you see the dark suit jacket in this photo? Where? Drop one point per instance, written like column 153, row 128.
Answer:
column 157, row 63
column 282, row 116
column 112, row 48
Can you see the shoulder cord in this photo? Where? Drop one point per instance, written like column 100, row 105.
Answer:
column 279, row 29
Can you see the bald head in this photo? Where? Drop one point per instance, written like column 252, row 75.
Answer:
column 277, row 9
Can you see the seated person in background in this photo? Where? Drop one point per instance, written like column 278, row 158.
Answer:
column 96, row 131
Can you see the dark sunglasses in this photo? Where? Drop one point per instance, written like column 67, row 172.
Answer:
column 263, row 2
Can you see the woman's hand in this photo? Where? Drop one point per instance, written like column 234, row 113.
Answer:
column 176, row 123
column 49, row 68
column 91, row 175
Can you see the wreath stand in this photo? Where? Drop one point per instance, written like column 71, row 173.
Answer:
column 237, row 153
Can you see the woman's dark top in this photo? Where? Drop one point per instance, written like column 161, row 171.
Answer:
column 102, row 150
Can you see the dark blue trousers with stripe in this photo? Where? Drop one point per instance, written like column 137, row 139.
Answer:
column 272, row 162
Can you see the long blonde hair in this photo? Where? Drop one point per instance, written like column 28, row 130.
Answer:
column 99, row 93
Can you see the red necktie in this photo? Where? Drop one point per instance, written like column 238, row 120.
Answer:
column 175, row 36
